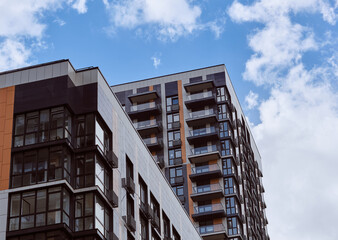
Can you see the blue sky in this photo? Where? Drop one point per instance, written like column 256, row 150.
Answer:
column 281, row 55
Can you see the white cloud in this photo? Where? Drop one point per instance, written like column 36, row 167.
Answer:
column 297, row 135
column 251, row 100
column 60, row 22
column 22, row 28
column 13, row 54
column 80, row 6
column 170, row 19
column 156, row 62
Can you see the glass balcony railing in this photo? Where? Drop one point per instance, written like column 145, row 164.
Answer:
column 207, row 188
column 209, row 229
column 142, row 106
column 202, row 113
column 151, row 140
column 145, row 124
column 208, row 208
column 205, row 169
column 202, row 131
column 204, row 149
column 200, row 96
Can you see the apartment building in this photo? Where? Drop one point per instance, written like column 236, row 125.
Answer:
column 72, row 165
column 194, row 127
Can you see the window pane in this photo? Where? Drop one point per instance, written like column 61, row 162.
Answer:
column 28, row 203
column 41, row 201
column 54, row 201
column 54, row 217
column 15, row 205
column 66, row 201
column 89, row 204
column 13, row 224
column 18, row 141
column 79, row 206
column 27, row 222
column 19, row 124
column 99, row 172
column 44, row 120
column 41, row 219
column 17, row 164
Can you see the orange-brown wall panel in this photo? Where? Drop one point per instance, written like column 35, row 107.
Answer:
column 183, row 148
column 6, row 126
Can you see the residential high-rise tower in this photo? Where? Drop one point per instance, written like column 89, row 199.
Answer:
column 194, row 127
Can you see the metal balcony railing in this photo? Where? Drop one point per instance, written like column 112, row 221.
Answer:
column 146, row 124
column 209, row 229
column 205, row 169
column 200, row 96
column 204, row 149
column 207, row 188
column 202, row 131
column 208, row 208
column 201, row 113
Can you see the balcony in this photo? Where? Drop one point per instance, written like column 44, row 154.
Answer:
column 143, row 97
column 204, row 154
column 128, row 184
column 208, row 212
column 130, row 222
column 148, row 127
column 174, row 125
column 159, row 160
column 203, row 135
column 153, row 143
column 146, row 210
column 205, row 172
column 213, row 232
column 207, row 192
column 200, row 99
column 199, row 86
column 144, row 109
column 113, row 198
column 112, row 159
column 201, row 117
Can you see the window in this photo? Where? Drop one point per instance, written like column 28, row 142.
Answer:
column 102, row 138
column 143, row 228
column 101, row 217
column 172, row 103
column 229, row 186
column 143, row 191
column 228, row 167
column 233, row 227
column 231, row 206
column 84, row 211
column 102, row 176
column 220, row 94
column 37, row 166
column 39, row 208
column 176, row 175
column 224, row 130
column 155, row 206
column 85, row 170
column 173, row 137
column 206, row 227
column 226, row 148
column 173, row 120
column 175, row 156
column 223, row 112
column 85, row 130
column 179, row 190
column 166, row 225
column 42, row 126
column 176, row 236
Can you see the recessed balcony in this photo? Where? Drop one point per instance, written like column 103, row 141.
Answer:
column 201, row 117
column 144, row 109
column 207, row 192
column 207, row 212
column 199, row 86
column 148, row 127
column 213, row 232
column 200, row 99
column 153, row 143
column 143, row 97
column 128, row 184
column 204, row 154
column 203, row 135
column 205, row 172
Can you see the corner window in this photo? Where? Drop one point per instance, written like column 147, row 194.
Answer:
column 42, row 126
column 39, row 208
